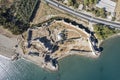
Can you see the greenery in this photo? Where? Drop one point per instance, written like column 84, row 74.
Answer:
column 16, row 18
column 76, row 5
column 89, row 2
column 70, row 2
column 73, row 3
column 103, row 31
column 113, row 18
column 99, row 12
column 24, row 9
column 5, row 3
column 102, row 12
column 10, row 22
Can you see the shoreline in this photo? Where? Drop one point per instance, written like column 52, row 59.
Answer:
column 110, row 37
column 8, row 41
column 67, row 55
column 7, row 58
column 39, row 61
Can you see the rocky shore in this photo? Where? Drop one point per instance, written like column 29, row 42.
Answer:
column 45, row 46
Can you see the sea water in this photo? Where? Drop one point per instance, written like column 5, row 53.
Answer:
column 106, row 67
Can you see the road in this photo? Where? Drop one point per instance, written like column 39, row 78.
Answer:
column 82, row 15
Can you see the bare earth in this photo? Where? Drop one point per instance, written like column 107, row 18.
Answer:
column 7, row 43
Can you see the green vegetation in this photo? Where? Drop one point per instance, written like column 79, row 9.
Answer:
column 89, row 2
column 24, row 9
column 100, row 12
column 113, row 18
column 103, row 31
column 5, row 3
column 70, row 2
column 73, row 3
column 89, row 5
column 76, row 5
column 16, row 18
column 7, row 20
column 86, row 2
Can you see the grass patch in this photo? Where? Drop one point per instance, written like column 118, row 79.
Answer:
column 103, row 31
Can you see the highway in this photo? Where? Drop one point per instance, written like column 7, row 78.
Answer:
column 82, row 15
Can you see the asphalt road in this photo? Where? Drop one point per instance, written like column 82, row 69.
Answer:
column 82, row 15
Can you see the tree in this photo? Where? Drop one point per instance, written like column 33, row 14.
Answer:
column 91, row 1
column 6, row 20
column 102, row 12
column 70, row 3
column 95, row 1
column 113, row 18
column 103, row 31
column 76, row 5
column 86, row 2
column 97, row 13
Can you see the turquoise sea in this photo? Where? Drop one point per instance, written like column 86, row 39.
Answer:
column 107, row 67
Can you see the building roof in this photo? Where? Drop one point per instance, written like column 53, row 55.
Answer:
column 107, row 4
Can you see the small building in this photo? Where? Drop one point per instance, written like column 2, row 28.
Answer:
column 109, row 6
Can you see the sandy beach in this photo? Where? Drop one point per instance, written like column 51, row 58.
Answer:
column 8, row 41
